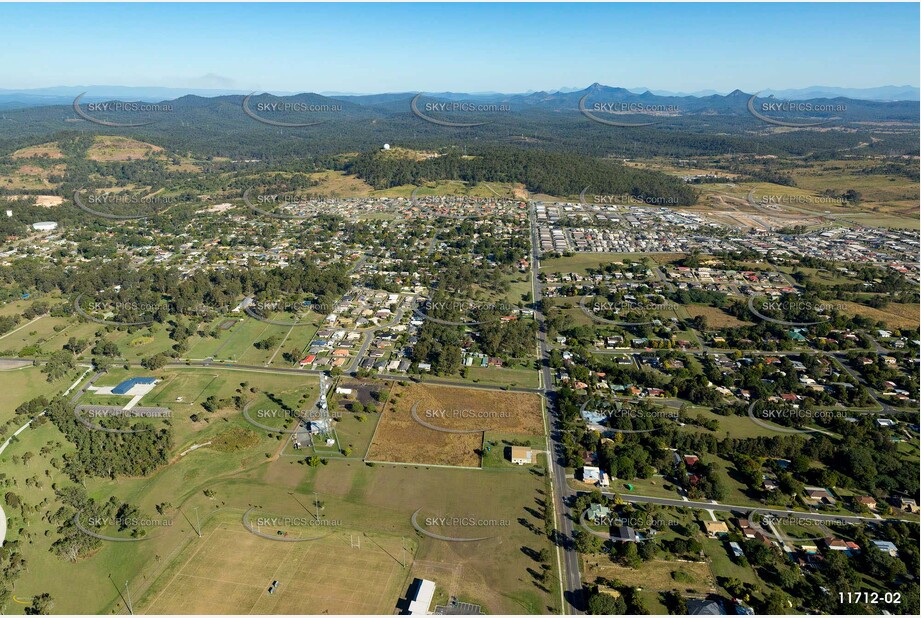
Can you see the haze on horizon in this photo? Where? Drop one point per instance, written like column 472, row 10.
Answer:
column 375, row 48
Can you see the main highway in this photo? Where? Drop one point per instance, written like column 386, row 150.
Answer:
column 573, row 596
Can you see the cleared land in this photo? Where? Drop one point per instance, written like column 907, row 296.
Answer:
column 580, row 262
column 716, row 317
column 231, row 570
column 894, row 315
column 401, row 438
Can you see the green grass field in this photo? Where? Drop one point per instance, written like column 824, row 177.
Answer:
column 504, row 376
column 21, row 385
column 377, row 500
column 230, row 570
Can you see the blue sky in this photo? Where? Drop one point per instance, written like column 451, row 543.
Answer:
column 472, row 47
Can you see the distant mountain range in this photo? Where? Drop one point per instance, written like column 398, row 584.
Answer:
column 62, row 95
column 242, row 127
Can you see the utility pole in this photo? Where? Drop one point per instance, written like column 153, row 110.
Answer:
column 128, row 595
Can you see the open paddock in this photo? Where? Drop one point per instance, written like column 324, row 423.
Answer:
column 443, row 425
column 231, row 570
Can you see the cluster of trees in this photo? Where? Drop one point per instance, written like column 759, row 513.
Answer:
column 838, row 572
column 863, row 458
column 72, row 543
column 603, row 604
column 541, row 172
column 164, row 298
column 106, row 454
column 440, row 342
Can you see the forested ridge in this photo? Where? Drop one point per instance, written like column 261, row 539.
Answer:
column 541, row 172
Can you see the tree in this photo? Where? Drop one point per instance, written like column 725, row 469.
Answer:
column 587, row 543
column 41, row 605
column 601, row 604
column 775, row 604
column 157, row 361
column 631, row 556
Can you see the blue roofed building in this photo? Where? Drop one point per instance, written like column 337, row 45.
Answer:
column 127, row 385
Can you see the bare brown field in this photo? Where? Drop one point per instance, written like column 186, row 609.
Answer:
column 230, row 571
column 32, row 177
column 338, row 184
column 400, row 437
column 894, row 315
column 48, row 201
column 49, row 150
column 715, row 317
column 114, row 148
column 654, row 575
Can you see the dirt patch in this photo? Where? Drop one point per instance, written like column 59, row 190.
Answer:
column 48, row 201
column 716, row 317
column 111, row 148
column 894, row 315
column 49, row 150
column 655, row 574
column 444, row 425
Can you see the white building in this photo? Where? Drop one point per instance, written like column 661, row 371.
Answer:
column 45, row 226
column 420, row 602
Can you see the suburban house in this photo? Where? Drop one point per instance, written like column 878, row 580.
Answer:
column 715, row 528
column 597, row 512
column 736, row 549
column 626, row 534
column 591, row 474
column 522, row 455
column 887, row 547
column 705, row 607
column 818, row 495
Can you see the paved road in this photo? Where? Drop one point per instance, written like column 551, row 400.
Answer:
column 573, row 594
column 735, row 508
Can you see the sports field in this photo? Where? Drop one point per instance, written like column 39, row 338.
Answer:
column 230, row 570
